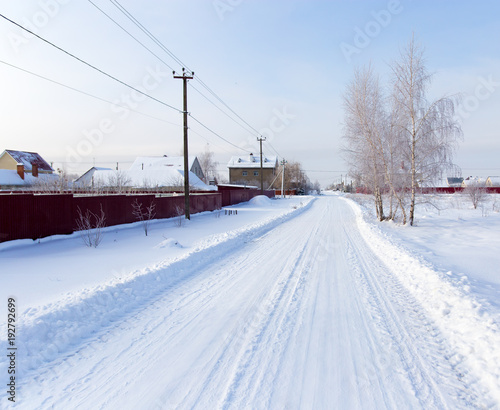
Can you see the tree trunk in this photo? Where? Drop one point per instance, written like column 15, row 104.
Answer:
column 413, row 178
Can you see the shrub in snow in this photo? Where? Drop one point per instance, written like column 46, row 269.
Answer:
column 144, row 214
column 476, row 192
column 90, row 227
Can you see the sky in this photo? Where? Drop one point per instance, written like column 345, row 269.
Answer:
column 280, row 66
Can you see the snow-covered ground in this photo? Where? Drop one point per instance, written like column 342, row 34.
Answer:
column 297, row 303
column 458, row 241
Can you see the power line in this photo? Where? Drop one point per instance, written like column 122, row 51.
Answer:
column 217, row 135
column 90, row 65
column 147, row 32
column 267, row 142
column 227, row 106
column 110, row 102
column 336, row 172
column 131, row 35
column 216, row 106
column 176, row 59
column 84, row 92
column 209, row 141
column 122, row 82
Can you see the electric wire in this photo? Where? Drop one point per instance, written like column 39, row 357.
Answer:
column 131, row 35
column 86, row 93
column 274, row 149
column 122, row 82
column 124, row 11
column 216, row 106
column 216, row 134
column 227, row 106
column 176, row 59
column 90, row 65
column 101, row 99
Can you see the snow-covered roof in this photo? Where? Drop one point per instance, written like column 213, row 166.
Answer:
column 494, row 180
column 148, row 178
column 144, row 163
column 11, row 178
column 86, row 178
column 253, row 161
column 473, row 181
column 27, row 159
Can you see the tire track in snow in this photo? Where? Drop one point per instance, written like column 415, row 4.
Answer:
column 405, row 334
column 272, row 324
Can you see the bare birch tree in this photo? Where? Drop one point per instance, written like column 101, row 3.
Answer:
column 428, row 130
column 364, row 124
column 208, row 164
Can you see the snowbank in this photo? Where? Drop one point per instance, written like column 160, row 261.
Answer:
column 471, row 330
column 260, row 200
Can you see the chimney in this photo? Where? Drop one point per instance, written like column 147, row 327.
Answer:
column 34, row 170
column 20, row 170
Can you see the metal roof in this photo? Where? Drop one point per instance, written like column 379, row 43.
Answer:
column 28, row 158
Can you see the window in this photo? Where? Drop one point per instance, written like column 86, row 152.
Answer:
column 256, row 173
column 244, row 173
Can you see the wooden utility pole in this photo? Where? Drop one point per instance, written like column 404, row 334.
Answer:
column 184, row 78
column 260, row 139
column 283, row 162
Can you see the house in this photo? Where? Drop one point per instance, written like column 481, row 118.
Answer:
column 245, row 170
column 31, row 162
column 87, row 179
column 165, row 173
column 493, row 181
column 169, row 179
column 20, row 169
column 149, row 163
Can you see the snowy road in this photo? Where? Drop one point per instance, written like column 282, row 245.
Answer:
column 304, row 315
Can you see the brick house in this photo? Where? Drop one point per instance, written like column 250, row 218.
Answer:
column 245, row 170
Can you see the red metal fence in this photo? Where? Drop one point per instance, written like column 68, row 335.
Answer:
column 436, row 190
column 33, row 216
